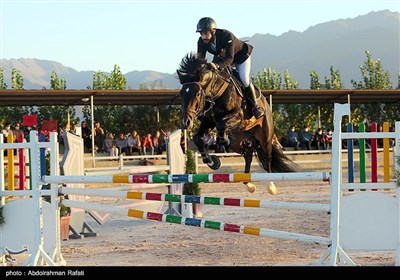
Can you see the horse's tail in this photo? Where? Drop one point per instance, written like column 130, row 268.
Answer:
column 276, row 162
column 280, row 162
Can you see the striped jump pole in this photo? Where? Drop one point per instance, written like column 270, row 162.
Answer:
column 189, row 178
column 374, row 185
column 239, row 202
column 229, row 227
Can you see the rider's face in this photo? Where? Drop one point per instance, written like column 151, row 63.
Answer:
column 206, row 36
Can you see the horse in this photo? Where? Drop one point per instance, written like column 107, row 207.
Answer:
column 216, row 99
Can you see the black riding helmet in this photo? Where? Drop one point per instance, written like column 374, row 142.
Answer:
column 206, row 24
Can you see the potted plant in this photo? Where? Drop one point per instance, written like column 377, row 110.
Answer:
column 192, row 188
column 65, row 212
column 65, row 217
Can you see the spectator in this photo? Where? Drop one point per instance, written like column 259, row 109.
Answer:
column 293, row 138
column 147, row 144
column 134, row 143
column 305, row 138
column 28, row 129
column 6, row 132
column 165, row 135
column 98, row 137
column 122, row 144
column 63, row 131
column 73, row 129
column 110, row 145
column 87, row 136
column 18, row 133
column 319, row 139
column 157, row 143
column 328, row 139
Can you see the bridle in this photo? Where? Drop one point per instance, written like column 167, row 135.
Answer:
column 202, row 96
column 206, row 95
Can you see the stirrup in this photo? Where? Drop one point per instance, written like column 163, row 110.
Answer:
column 258, row 112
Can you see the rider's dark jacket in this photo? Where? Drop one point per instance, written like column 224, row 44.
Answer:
column 227, row 49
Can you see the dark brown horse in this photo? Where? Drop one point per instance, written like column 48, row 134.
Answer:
column 216, row 99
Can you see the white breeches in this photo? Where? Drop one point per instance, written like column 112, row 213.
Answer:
column 244, row 71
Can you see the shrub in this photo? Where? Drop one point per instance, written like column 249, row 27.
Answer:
column 191, row 188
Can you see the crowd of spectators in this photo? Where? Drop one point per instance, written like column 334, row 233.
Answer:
column 128, row 144
column 132, row 143
column 320, row 140
column 305, row 140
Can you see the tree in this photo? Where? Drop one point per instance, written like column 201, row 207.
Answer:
column 111, row 116
column 289, row 82
column 336, row 82
column 126, row 118
column 3, row 85
column 100, row 80
column 298, row 114
column 56, row 83
column 324, row 112
column 268, row 79
column 12, row 115
column 375, row 77
column 315, row 83
column 117, row 79
column 17, row 81
column 56, row 112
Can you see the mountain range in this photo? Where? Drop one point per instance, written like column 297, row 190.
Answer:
column 339, row 43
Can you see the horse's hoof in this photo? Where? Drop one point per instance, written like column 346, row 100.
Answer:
column 272, row 188
column 216, row 164
column 251, row 187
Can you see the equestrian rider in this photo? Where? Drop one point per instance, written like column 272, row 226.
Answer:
column 227, row 49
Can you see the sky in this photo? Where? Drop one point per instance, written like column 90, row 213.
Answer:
column 151, row 35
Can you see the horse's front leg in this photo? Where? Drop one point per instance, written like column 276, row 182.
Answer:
column 222, row 137
column 224, row 125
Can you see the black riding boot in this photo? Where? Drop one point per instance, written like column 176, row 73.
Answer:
column 258, row 112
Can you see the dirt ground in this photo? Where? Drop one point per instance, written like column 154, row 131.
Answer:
column 129, row 242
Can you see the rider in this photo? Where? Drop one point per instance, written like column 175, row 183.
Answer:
column 227, row 49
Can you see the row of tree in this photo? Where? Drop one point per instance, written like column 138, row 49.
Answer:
column 126, row 118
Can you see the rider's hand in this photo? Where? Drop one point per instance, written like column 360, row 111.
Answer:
column 213, row 66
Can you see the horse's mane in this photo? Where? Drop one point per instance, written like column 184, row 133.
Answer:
column 190, row 64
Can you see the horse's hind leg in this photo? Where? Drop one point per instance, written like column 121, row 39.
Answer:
column 247, row 152
column 264, row 155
